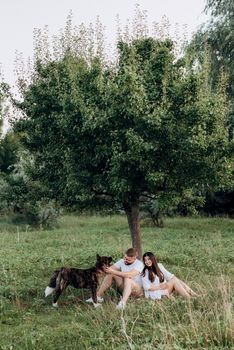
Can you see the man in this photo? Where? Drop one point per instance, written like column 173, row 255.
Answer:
column 126, row 274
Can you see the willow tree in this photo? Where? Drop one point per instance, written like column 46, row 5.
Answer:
column 217, row 37
column 111, row 136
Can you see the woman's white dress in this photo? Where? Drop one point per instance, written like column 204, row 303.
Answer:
column 157, row 294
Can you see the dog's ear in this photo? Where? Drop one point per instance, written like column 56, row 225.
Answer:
column 110, row 259
column 98, row 257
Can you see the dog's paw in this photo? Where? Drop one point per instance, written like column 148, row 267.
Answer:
column 99, row 300
column 97, row 305
column 55, row 305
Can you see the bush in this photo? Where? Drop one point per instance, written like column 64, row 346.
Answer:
column 184, row 204
column 40, row 214
column 27, row 202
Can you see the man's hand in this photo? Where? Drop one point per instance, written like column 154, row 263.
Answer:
column 109, row 270
column 112, row 270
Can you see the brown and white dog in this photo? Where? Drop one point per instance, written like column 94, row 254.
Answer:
column 77, row 278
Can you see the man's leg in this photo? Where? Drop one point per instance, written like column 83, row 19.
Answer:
column 127, row 289
column 107, row 282
column 130, row 288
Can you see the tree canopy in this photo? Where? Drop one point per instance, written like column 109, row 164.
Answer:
column 111, row 136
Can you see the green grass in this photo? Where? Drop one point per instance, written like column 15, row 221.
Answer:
column 199, row 251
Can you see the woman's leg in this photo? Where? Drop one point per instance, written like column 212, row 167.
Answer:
column 175, row 285
column 188, row 289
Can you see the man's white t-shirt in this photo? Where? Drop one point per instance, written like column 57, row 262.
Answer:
column 137, row 265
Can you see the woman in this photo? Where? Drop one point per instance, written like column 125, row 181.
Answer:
column 158, row 282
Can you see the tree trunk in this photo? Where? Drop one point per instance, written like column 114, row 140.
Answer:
column 132, row 212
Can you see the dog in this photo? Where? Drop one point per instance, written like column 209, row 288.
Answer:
column 77, row 278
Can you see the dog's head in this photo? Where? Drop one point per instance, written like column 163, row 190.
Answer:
column 103, row 262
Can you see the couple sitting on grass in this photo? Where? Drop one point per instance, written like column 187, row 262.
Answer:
column 136, row 278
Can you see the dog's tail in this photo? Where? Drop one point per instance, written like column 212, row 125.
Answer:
column 52, row 284
column 58, row 280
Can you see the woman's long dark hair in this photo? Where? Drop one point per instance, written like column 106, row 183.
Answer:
column 154, row 269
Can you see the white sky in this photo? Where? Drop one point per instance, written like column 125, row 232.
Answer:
column 18, row 18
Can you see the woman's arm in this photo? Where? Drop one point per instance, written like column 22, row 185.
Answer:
column 151, row 287
column 167, row 275
column 161, row 286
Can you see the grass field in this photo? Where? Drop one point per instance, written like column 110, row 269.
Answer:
column 199, row 251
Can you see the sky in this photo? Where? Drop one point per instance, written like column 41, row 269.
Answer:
column 18, row 18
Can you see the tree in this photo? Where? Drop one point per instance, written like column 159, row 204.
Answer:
column 9, row 146
column 110, row 136
column 9, row 143
column 217, row 37
column 1, row 118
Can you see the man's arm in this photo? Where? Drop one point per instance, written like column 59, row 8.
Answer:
column 113, row 271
